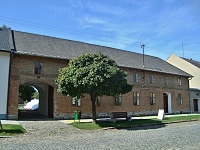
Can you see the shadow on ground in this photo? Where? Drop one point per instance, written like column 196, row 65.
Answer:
column 146, row 127
column 136, row 124
column 31, row 116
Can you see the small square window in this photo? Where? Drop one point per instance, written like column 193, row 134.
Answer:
column 152, row 98
column 76, row 101
column 38, row 68
column 136, row 98
column 118, row 100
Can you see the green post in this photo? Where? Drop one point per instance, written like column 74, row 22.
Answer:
column 76, row 115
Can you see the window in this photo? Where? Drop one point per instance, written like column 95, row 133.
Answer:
column 143, row 75
column 180, row 99
column 136, row 98
column 38, row 68
column 98, row 100
column 118, row 100
column 166, row 81
column 135, row 77
column 197, row 94
column 179, row 82
column 152, row 98
column 151, row 78
column 76, row 101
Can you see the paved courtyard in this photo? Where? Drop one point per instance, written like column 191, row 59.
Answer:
column 50, row 135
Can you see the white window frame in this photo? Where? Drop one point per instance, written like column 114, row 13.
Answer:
column 179, row 82
column 135, row 77
column 118, row 100
column 180, row 99
column 151, row 78
column 152, row 98
column 136, row 98
column 38, row 66
column 76, row 101
column 98, row 100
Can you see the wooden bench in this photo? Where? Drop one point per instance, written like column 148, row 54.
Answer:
column 115, row 115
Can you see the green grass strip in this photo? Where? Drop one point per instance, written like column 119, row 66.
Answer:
column 10, row 130
column 135, row 122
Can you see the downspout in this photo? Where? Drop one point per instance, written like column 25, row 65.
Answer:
column 12, row 51
column 190, row 101
column 8, row 93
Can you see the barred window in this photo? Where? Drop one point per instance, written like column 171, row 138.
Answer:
column 136, row 98
column 38, row 68
column 76, row 101
column 152, row 98
column 118, row 100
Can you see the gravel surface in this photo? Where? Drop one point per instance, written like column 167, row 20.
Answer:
column 47, row 135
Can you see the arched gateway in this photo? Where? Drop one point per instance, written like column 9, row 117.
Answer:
column 45, row 108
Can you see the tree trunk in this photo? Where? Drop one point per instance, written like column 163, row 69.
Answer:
column 94, row 117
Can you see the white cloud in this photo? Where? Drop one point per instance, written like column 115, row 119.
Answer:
column 94, row 20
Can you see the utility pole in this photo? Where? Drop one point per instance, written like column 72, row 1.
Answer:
column 142, row 46
column 182, row 49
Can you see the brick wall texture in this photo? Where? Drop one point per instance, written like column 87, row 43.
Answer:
column 22, row 72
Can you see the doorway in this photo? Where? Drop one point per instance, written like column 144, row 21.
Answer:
column 195, row 102
column 165, row 101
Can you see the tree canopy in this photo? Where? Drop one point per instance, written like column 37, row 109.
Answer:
column 26, row 92
column 94, row 74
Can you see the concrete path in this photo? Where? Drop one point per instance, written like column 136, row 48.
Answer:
column 9, row 122
column 101, row 119
column 55, row 135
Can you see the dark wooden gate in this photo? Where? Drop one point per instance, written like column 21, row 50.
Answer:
column 50, row 101
column 195, row 101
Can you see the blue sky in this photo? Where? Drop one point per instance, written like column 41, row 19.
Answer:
column 164, row 26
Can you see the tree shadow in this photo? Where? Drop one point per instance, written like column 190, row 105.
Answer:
column 32, row 116
column 134, row 124
column 11, row 131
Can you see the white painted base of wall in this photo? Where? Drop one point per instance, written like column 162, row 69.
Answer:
column 4, row 65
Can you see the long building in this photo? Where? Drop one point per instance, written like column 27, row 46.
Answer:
column 35, row 61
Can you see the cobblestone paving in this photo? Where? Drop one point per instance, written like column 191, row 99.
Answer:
column 50, row 135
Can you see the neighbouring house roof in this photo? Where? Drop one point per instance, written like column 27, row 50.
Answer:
column 193, row 62
column 5, row 39
column 195, row 89
column 46, row 46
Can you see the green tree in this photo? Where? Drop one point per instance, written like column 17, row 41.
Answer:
column 93, row 74
column 35, row 95
column 4, row 26
column 26, row 92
